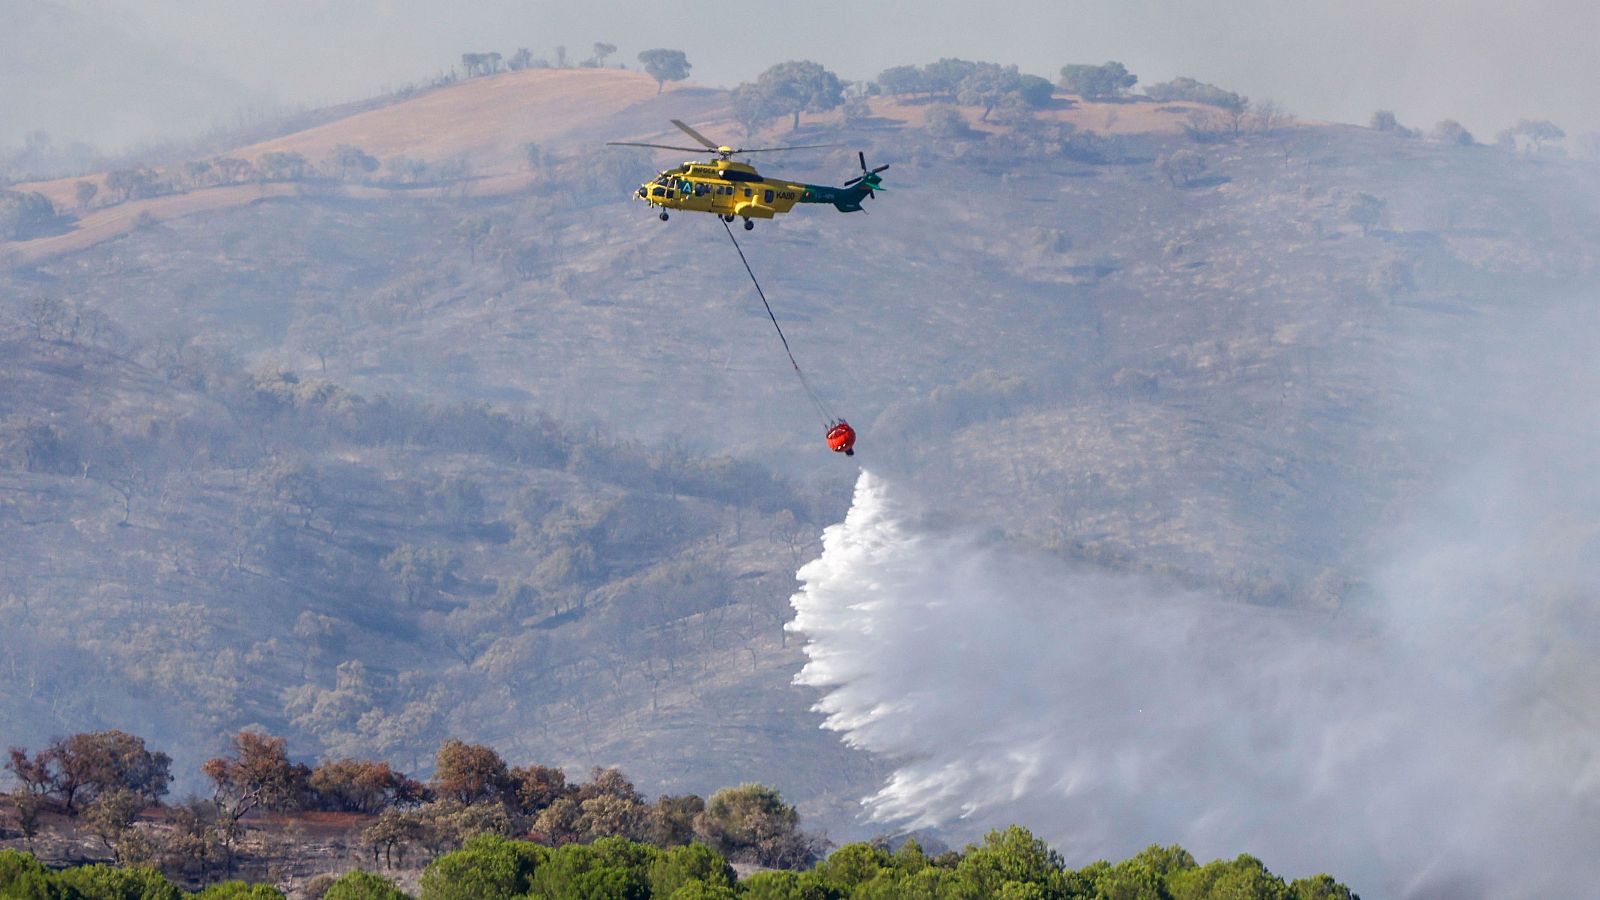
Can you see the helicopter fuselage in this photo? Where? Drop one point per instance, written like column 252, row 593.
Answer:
column 727, row 188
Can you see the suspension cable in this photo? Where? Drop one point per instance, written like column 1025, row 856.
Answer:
column 816, row 400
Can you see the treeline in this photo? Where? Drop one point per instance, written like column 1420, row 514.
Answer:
column 1008, row 864
column 108, row 781
column 344, row 163
column 1528, row 136
column 660, row 63
column 499, row 831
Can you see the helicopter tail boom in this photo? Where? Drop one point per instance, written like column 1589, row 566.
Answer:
column 848, row 198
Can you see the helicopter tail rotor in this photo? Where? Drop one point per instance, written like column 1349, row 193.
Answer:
column 868, row 178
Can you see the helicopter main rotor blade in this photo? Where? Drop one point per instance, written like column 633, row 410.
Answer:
column 704, row 141
column 657, row 146
column 776, row 149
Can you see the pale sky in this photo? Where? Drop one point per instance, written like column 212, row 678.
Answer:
column 1485, row 63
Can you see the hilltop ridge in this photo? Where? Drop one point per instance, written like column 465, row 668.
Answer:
column 479, row 129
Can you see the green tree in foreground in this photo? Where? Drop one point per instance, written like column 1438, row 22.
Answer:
column 691, row 863
column 489, row 867
column 359, row 885
column 239, row 890
column 111, row 883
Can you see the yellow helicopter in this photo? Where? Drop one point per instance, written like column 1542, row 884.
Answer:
column 732, row 189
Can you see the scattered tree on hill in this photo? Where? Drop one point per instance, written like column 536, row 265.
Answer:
column 81, row 767
column 131, row 184
column 533, row 788
column 752, row 108
column 350, row 785
column 1382, row 120
column 1210, row 126
column 1182, row 167
column 33, row 774
column 1268, row 116
column 1364, row 210
column 946, row 122
column 24, row 213
column 800, row 86
column 855, row 110
column 196, row 173
column 601, row 51
column 475, row 64
column 665, row 65
column 469, row 773
column 752, row 823
column 520, row 60
column 471, row 231
column 421, row 571
column 673, row 819
column 279, row 165
column 322, row 334
column 110, row 818
column 1391, row 278
column 945, row 76
column 537, row 158
column 394, row 830
column 987, row 86
column 903, row 80
column 1185, row 88
column 195, row 842
column 346, row 160
column 406, row 169
column 231, row 170
column 1103, row 82
column 1449, row 131
column 1534, row 131
column 257, row 775
column 561, row 57
column 28, row 805
column 1036, row 92
column 84, row 192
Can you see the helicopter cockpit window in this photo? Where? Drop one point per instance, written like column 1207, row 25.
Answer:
column 659, row 191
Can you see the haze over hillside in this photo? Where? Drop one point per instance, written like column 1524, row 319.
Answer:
column 1485, row 64
column 80, row 78
column 466, row 442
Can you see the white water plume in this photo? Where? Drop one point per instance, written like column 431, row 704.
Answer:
column 1439, row 743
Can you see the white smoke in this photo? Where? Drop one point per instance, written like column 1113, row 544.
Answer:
column 1441, row 742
